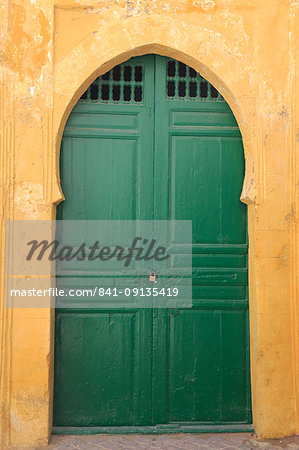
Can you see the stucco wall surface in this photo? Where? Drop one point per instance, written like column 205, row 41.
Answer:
column 249, row 49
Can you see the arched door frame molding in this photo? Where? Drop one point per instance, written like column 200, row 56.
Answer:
column 65, row 100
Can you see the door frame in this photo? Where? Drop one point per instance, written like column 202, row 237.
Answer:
column 247, row 196
column 163, row 428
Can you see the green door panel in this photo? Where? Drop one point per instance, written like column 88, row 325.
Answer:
column 94, row 196
column 200, row 171
column 96, row 377
column 153, row 140
column 203, row 386
column 200, row 366
column 103, row 358
column 112, row 138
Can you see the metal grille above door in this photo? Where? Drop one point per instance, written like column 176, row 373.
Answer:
column 122, row 84
column 184, row 83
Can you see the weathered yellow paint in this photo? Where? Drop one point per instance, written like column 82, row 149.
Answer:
column 50, row 52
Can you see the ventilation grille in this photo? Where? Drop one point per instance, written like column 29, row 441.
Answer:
column 184, row 83
column 122, row 84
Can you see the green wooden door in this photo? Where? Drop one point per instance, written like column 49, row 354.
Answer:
column 153, row 140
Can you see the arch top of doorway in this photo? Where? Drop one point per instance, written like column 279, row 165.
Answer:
column 68, row 102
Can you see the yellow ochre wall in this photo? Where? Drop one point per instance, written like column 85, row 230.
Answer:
column 51, row 50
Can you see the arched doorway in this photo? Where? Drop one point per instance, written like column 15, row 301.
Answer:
column 153, row 139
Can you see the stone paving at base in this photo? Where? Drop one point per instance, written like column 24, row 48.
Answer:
column 169, row 442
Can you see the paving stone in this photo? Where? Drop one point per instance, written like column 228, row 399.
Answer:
column 225, row 441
